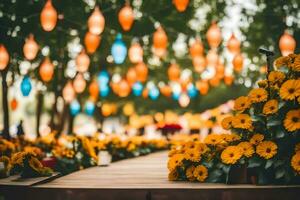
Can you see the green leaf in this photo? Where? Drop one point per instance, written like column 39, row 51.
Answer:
column 279, row 133
column 279, row 173
column 254, row 162
column 273, row 122
column 278, row 163
column 269, row 163
column 226, row 169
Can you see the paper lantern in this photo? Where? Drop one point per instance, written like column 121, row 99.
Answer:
column 181, row 5
column 79, row 83
column 14, row 104
column 202, row 86
column 166, row 90
column 4, row 57
column 30, row 48
column 106, row 110
column 212, row 58
column 233, row 45
column 124, row 88
column 104, row 91
column 135, row 53
column 68, row 92
column 26, row 86
column 215, row 81
column 46, row 70
column 184, row 100
column 89, row 108
column 48, row 17
column 238, row 62
column 174, row 72
column 91, row 42
column 153, row 93
column 103, row 78
column 94, row 90
column 287, row 44
column 192, row 91
column 175, row 95
column 228, row 80
column 137, row 89
column 145, row 93
column 119, row 50
column 141, row 72
column 196, row 48
column 82, row 62
column 96, row 22
column 128, row 109
column 214, row 36
column 126, row 17
column 74, row 107
column 199, row 63
column 160, row 42
column 131, row 76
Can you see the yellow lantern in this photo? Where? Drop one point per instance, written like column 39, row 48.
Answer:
column 135, row 53
column 48, row 17
column 82, row 62
column 214, row 36
column 128, row 109
column 287, row 44
column 46, row 70
column 126, row 17
column 30, row 48
column 181, row 5
column 68, row 92
column 4, row 57
column 91, row 42
column 96, row 22
column 106, row 109
column 79, row 83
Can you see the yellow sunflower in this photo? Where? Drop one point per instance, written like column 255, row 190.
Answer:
column 35, row 164
column 175, row 161
column 201, row 173
column 257, row 139
column 231, row 154
column 295, row 162
column 258, row 95
column 230, row 137
column 248, row 149
column 262, row 83
column 227, row 122
column 266, row 149
column 242, row 121
column 295, row 66
column 241, row 104
column 292, row 120
column 282, row 61
column 270, row 107
column 213, row 139
column 190, row 173
column 193, row 155
column 290, row 89
column 276, row 77
column 173, row 175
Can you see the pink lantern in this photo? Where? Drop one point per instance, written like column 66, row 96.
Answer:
column 82, row 62
column 135, row 53
column 79, row 83
column 96, row 22
column 30, row 48
column 68, row 92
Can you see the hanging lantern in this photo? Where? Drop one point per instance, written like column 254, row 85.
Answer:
column 137, row 89
column 91, row 42
column 174, row 72
column 46, row 70
column 233, row 45
column 103, row 78
column 30, row 48
column 135, row 53
column 175, row 95
column 215, row 81
column 228, row 80
column 214, row 36
column 131, row 76
column 89, row 108
column 212, row 58
column 166, row 90
column 119, row 50
column 48, row 17
column 220, row 70
column 196, row 49
column 79, row 83
column 128, row 109
column 126, row 17
column 153, row 93
column 145, row 93
column 104, row 91
column 4, row 57
column 238, row 62
column 82, row 62
column 181, row 5
column 26, row 86
column 141, row 72
column 106, row 110
column 199, row 63
column 160, row 42
column 124, row 88
column 14, row 104
column 287, row 44
column 192, row 91
column 96, row 22
column 94, row 90
column 68, row 92
column 74, row 107
column 202, row 86
column 184, row 100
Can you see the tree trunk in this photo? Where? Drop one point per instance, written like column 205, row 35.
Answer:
column 71, row 122
column 39, row 112
column 54, row 114
column 62, row 120
column 5, row 106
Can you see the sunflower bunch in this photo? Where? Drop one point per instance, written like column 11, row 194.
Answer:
column 6, row 147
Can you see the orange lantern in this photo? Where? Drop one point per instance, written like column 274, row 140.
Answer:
column 145, row 93
column 287, row 44
column 30, row 48
column 91, row 42
column 94, row 89
column 220, row 70
column 233, row 44
column 4, row 57
column 135, row 53
column 82, row 62
column 174, row 72
column 131, row 76
column 215, row 81
column 126, row 17
column 166, row 90
column 79, row 83
column 106, row 110
column 238, row 62
column 196, row 49
column 96, row 22
column 68, row 92
column 214, row 36
column 199, row 63
column 124, row 88
column 141, row 72
column 48, row 16
column 202, row 86
column 181, row 5
column 160, row 42
column 14, row 104
column 228, row 79
column 115, row 87
column 46, row 70
column 212, row 58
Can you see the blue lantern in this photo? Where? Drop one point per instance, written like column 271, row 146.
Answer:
column 74, row 107
column 104, row 90
column 192, row 91
column 89, row 108
column 119, row 50
column 176, row 95
column 154, row 93
column 103, row 78
column 137, row 88
column 26, row 86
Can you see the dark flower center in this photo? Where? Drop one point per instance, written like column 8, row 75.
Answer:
column 231, row 155
column 291, row 90
column 268, row 150
column 243, row 121
column 295, row 119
